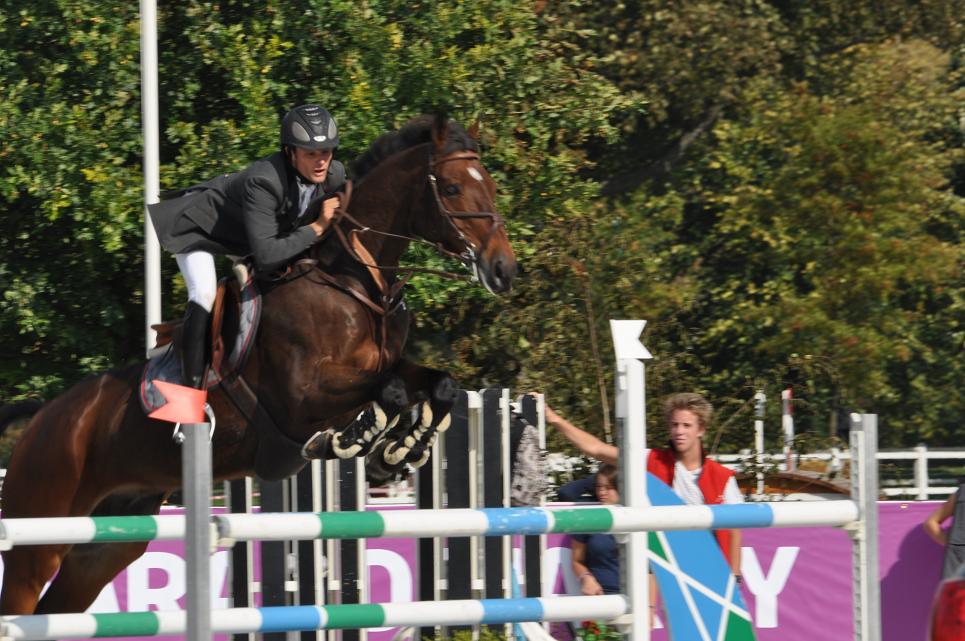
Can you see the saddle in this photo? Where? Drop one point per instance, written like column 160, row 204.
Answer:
column 234, row 322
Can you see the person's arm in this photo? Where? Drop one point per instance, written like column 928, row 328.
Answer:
column 933, row 523
column 584, row 441
column 733, row 496
column 589, row 586
column 735, row 553
column 270, row 248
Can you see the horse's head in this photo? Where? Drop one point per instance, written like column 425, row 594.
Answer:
column 462, row 193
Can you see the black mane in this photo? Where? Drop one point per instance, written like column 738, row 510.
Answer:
column 415, row 132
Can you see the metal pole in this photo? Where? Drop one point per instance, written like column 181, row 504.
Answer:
column 152, row 188
column 632, row 433
column 864, row 491
column 921, row 471
column 759, row 400
column 787, row 422
column 196, row 470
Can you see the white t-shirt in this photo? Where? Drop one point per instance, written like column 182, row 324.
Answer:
column 685, row 486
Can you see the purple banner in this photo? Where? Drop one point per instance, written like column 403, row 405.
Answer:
column 797, row 581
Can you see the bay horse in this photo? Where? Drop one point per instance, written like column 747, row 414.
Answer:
column 326, row 372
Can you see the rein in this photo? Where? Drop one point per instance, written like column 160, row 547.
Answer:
column 355, row 249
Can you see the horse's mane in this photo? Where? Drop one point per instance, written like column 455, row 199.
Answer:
column 415, row 132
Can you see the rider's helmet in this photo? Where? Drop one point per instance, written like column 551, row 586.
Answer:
column 309, row 127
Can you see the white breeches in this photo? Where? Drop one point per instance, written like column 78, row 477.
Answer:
column 200, row 277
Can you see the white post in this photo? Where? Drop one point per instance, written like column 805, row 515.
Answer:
column 361, row 551
column 864, row 491
column 759, row 399
column 921, row 472
column 196, row 470
column 632, row 434
column 787, row 422
column 152, row 183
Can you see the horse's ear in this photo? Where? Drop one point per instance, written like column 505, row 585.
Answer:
column 473, row 130
column 440, row 131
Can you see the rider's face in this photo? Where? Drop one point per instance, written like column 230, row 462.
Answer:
column 312, row 164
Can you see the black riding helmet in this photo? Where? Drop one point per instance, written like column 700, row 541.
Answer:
column 309, row 127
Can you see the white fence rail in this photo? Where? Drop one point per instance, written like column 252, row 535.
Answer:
column 921, row 486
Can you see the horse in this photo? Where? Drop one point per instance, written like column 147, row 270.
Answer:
column 325, row 376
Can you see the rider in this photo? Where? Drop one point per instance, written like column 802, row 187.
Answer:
column 261, row 211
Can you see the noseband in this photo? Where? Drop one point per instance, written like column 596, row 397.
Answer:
column 470, row 255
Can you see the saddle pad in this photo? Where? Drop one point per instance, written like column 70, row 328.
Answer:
column 166, row 366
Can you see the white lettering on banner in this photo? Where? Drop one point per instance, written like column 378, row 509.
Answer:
column 766, row 589
column 164, row 594
column 400, row 576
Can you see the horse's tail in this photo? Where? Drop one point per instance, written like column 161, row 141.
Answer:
column 16, row 411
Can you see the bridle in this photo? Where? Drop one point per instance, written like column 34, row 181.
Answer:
column 390, row 294
column 468, row 257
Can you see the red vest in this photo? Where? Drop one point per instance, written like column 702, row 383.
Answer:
column 713, row 478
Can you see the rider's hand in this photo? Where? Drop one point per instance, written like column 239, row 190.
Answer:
column 326, row 215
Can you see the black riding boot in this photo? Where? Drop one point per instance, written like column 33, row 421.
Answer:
column 194, row 345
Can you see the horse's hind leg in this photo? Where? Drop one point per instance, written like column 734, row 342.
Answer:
column 42, row 480
column 89, row 567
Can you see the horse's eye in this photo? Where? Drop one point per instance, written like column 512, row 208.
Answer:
column 451, row 189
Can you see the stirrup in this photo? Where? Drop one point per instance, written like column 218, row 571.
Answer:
column 178, row 434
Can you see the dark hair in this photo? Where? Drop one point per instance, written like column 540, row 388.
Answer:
column 609, row 473
column 417, row 131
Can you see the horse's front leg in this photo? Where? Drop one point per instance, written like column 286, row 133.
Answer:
column 435, row 392
column 358, row 437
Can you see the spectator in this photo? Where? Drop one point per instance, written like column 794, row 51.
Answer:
column 596, row 557
column 683, row 465
column 954, row 538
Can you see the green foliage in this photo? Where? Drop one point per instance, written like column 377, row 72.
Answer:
column 486, row 633
column 793, row 214
column 598, row 631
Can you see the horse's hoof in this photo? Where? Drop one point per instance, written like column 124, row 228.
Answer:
column 380, row 418
column 319, row 446
column 395, row 454
column 444, row 423
column 420, row 461
column 345, row 452
column 426, row 414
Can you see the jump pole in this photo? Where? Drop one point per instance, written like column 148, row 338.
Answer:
column 196, row 470
column 864, row 532
column 152, row 182
column 631, row 413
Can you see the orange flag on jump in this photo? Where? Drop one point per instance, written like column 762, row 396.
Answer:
column 184, row 404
